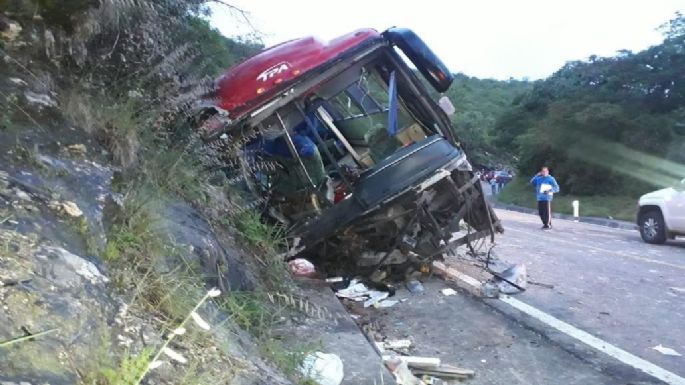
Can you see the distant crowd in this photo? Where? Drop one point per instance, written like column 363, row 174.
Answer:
column 497, row 178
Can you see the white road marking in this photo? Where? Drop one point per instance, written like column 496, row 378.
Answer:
column 580, row 335
column 596, row 343
column 611, row 252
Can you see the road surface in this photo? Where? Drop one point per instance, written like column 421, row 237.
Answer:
column 609, row 287
column 606, row 282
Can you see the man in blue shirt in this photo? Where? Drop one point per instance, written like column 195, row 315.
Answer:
column 545, row 188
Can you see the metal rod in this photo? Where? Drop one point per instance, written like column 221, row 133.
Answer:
column 293, row 150
column 329, row 122
column 330, row 156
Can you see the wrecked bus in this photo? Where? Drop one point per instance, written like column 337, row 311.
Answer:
column 342, row 145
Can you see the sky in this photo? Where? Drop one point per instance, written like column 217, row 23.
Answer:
column 498, row 39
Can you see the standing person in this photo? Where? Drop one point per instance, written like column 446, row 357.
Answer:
column 493, row 185
column 545, row 188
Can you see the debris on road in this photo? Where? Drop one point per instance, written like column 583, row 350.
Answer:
column 446, row 372
column 666, row 351
column 489, row 290
column 400, row 370
column 545, row 285
column 678, row 289
column 414, row 286
column 415, row 361
column 301, row 267
column 375, row 297
column 512, row 280
column 357, row 291
column 325, row 369
column 423, row 366
column 396, row 344
column 448, row 291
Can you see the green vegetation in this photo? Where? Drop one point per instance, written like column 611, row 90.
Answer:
column 519, row 193
column 143, row 62
column 606, row 126
column 610, row 129
column 478, row 103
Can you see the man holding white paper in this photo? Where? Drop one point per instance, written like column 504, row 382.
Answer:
column 545, row 188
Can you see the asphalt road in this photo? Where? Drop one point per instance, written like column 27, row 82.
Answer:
column 606, row 281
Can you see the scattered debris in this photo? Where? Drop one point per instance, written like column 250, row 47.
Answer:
column 66, row 207
column 375, row 297
column 446, row 372
column 545, row 285
column 489, row 290
column 387, row 303
column 301, row 267
column 452, row 274
column 400, row 370
column 448, row 291
column 334, row 279
column 512, row 280
column 414, row 286
column 358, row 291
column 395, row 344
column 406, row 368
column 415, row 361
column 666, row 351
column 325, row 369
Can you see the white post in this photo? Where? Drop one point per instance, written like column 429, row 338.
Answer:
column 576, row 209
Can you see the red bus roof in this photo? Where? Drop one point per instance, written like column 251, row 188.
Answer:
column 252, row 82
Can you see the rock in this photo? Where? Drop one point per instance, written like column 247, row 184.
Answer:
column 42, row 100
column 10, row 30
column 78, row 149
column 22, row 195
column 67, row 269
column 66, row 207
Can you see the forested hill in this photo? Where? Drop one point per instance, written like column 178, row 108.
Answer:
column 609, row 124
column 479, row 103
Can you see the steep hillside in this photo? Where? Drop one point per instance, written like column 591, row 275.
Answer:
column 124, row 258
column 606, row 126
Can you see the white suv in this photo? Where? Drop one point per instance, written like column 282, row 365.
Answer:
column 662, row 214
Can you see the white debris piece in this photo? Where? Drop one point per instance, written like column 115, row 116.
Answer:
column 666, row 351
column 396, row 344
column 325, row 369
column 448, row 292
column 355, row 291
column 375, row 297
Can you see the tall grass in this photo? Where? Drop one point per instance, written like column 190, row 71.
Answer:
column 623, row 207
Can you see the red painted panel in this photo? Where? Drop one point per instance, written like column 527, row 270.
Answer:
column 258, row 78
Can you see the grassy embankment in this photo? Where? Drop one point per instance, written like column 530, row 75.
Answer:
column 622, row 207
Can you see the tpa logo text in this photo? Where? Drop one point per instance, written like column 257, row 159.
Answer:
column 273, row 71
